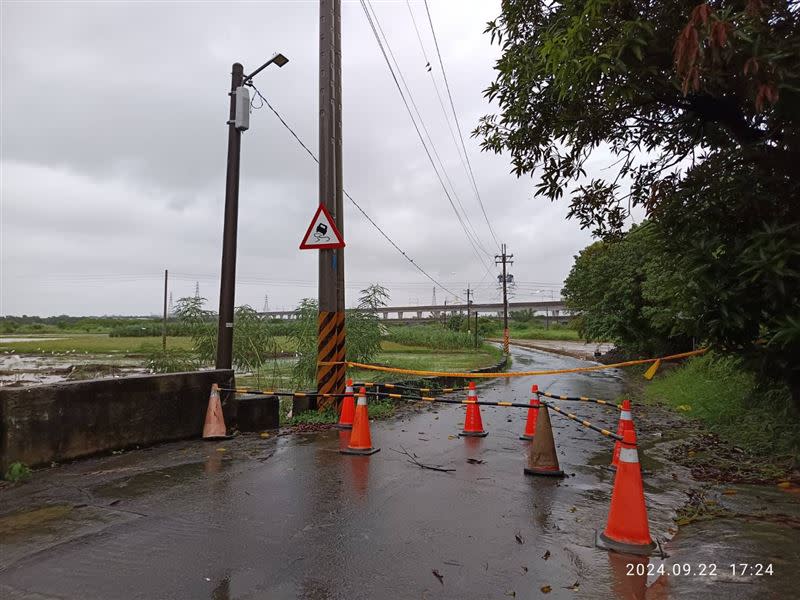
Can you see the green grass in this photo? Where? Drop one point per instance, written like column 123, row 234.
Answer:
column 17, row 472
column 104, row 344
column 432, row 336
column 278, row 374
column 94, row 344
column 378, row 409
column 536, row 333
column 393, row 354
column 725, row 397
column 427, row 359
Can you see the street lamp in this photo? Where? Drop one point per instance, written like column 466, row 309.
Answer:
column 237, row 122
column 279, row 59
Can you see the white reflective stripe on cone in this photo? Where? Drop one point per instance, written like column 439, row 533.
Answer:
column 628, row 455
column 348, row 390
column 625, row 415
column 362, row 400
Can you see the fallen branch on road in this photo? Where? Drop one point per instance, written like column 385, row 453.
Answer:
column 412, row 458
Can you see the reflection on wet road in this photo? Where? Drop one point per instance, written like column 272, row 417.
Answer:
column 290, row 517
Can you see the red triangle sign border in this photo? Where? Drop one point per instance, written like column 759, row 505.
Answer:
column 339, row 243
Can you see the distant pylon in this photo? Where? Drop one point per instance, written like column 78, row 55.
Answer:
column 266, row 303
column 196, row 289
column 433, row 302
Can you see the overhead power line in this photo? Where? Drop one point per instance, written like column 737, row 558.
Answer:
column 473, row 230
column 372, row 19
column 346, row 193
column 461, row 155
column 458, row 125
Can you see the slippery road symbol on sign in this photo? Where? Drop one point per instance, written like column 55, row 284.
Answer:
column 322, row 233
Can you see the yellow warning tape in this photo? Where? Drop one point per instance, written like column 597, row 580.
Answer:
column 628, row 363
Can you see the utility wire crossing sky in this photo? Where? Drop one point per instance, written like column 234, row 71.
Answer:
column 113, row 156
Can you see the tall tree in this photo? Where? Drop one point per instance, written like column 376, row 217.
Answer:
column 698, row 105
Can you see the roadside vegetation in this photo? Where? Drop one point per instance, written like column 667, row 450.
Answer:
column 267, row 354
column 729, row 400
column 697, row 105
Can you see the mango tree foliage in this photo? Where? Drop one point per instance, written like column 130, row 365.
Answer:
column 698, row 106
column 628, row 293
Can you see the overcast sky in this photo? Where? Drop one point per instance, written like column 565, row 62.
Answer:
column 114, row 150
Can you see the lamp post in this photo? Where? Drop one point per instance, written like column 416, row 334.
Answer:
column 238, row 121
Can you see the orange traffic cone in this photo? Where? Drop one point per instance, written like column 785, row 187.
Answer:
column 360, row 440
column 214, row 427
column 542, row 459
column 625, row 422
column 627, row 529
column 348, row 408
column 533, row 412
column 473, row 424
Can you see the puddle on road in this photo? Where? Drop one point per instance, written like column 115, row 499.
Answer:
column 227, row 527
column 155, row 481
column 27, row 532
column 21, row 524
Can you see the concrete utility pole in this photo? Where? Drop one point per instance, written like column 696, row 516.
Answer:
column 341, row 352
column 476, row 329
column 469, row 303
column 227, row 285
column 504, row 259
column 238, row 121
column 330, row 322
column 164, row 322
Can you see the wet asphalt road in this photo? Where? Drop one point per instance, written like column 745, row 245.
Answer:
column 290, row 517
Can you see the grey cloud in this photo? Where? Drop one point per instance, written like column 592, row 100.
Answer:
column 114, row 142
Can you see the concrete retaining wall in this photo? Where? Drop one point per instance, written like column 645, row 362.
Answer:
column 45, row 423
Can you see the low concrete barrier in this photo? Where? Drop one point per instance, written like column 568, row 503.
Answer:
column 61, row 421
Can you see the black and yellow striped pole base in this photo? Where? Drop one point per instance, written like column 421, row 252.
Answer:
column 330, row 355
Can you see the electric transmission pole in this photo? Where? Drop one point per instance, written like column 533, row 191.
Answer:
column 504, row 259
column 469, row 303
column 330, row 322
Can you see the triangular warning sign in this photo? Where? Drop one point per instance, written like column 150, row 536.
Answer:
column 322, row 233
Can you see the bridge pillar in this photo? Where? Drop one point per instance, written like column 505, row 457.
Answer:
column 419, row 314
column 399, row 315
column 385, row 316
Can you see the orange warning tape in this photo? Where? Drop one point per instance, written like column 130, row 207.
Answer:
column 628, row 363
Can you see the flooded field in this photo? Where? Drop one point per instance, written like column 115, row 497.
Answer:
column 23, row 362
column 19, row 370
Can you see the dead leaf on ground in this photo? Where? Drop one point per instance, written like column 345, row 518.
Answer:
column 438, row 576
column 475, row 461
column 729, row 492
column 519, row 538
column 573, row 509
column 546, row 589
column 546, row 555
column 511, row 593
column 574, row 587
column 524, row 569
